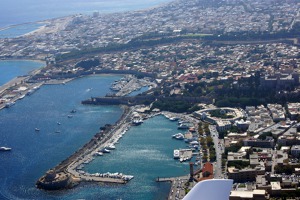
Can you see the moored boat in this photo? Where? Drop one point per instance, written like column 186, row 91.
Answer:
column 105, row 150
column 176, row 154
column 110, row 147
column 183, row 126
column 178, row 136
column 98, row 153
column 173, row 118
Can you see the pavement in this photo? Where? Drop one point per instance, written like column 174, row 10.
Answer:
column 177, row 190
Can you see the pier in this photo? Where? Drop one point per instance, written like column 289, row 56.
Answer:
column 68, row 173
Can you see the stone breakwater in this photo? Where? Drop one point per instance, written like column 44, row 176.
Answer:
column 67, row 174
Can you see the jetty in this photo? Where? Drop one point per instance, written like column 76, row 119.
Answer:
column 69, row 172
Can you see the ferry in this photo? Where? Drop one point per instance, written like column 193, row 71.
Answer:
column 5, row 149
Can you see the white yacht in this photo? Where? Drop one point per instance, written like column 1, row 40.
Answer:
column 105, row 150
column 98, row 153
column 178, row 136
column 110, row 147
column 176, row 154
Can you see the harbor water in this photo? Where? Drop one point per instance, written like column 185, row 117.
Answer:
column 145, row 151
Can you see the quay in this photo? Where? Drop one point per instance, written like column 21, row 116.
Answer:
column 178, row 186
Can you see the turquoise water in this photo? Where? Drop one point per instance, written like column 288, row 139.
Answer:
column 12, row 69
column 144, row 151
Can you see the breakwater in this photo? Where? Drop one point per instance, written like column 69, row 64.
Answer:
column 91, row 72
column 66, row 174
column 141, row 99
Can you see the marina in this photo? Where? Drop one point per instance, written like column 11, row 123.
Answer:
column 72, row 171
column 129, row 84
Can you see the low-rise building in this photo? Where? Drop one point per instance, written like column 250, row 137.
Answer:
column 246, row 174
column 253, row 142
column 245, row 195
column 295, row 150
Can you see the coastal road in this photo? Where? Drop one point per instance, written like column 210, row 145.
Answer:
column 219, row 150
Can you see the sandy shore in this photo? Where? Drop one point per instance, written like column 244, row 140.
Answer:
column 51, row 26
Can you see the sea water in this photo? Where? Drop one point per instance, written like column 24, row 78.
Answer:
column 14, row 68
column 33, row 153
column 24, row 11
column 145, row 151
column 15, row 31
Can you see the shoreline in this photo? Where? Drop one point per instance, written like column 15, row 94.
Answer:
column 87, row 13
column 70, row 173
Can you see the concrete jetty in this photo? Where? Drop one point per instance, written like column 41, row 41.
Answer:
column 177, row 190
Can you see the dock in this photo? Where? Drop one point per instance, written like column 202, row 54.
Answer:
column 177, row 190
column 159, row 179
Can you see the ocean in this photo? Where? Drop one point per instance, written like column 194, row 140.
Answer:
column 24, row 11
column 145, row 151
column 13, row 68
column 19, row 17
